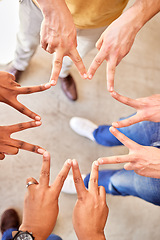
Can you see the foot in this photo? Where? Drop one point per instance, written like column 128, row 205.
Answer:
column 69, row 186
column 9, row 219
column 69, row 87
column 15, row 72
column 83, row 127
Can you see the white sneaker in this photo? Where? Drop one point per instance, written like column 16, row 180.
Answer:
column 68, row 186
column 83, row 127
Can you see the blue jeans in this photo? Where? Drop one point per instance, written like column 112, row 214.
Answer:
column 124, row 183
column 7, row 235
column 145, row 133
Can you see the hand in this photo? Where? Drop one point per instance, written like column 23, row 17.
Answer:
column 58, row 34
column 41, row 201
column 148, row 109
column 11, row 146
column 9, row 90
column 143, row 160
column 113, row 45
column 91, row 211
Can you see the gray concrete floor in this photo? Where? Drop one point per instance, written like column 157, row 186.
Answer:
column 136, row 76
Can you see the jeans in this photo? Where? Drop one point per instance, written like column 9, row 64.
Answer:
column 124, row 183
column 7, row 235
column 145, row 133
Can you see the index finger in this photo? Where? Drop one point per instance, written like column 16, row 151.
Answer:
column 111, row 68
column 78, row 181
column 93, row 181
column 26, row 146
column 59, row 181
column 125, row 100
column 45, row 170
column 97, row 61
column 123, row 139
column 77, row 60
column 33, row 89
column 23, row 126
column 57, row 65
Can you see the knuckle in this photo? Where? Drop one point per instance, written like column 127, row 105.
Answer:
column 34, row 148
column 94, row 180
column 118, row 159
column 77, row 180
column 44, row 173
column 28, row 90
column 20, row 126
column 98, row 61
column 61, row 177
column 57, row 62
column 78, row 59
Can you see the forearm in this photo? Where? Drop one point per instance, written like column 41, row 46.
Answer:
column 142, row 11
column 50, row 6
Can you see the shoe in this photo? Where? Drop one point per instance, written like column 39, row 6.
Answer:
column 15, row 72
column 9, row 219
column 69, row 186
column 83, row 127
column 69, row 87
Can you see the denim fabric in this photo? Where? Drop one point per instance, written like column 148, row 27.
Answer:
column 145, row 133
column 125, row 183
column 7, row 235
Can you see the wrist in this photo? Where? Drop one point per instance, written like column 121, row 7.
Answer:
column 37, row 235
column 96, row 236
column 49, row 7
column 144, row 10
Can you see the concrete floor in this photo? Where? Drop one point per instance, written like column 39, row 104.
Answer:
column 136, row 76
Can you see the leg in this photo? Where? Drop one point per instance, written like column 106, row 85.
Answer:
column 125, row 183
column 54, row 237
column 145, row 133
column 28, row 35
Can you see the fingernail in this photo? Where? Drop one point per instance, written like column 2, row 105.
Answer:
column 45, row 154
column 38, row 123
column 40, row 150
column 53, row 82
column 90, row 76
column 37, row 118
column 47, row 85
column 115, row 124
column 110, row 89
column 100, row 160
column 74, row 162
column 85, row 75
column 96, row 163
column 112, row 129
column 69, row 161
column 114, row 93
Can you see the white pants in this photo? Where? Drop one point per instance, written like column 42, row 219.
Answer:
column 28, row 38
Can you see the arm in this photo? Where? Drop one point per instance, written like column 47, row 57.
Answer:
column 90, row 212
column 58, row 34
column 143, row 160
column 117, row 40
column 148, row 109
column 41, row 201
